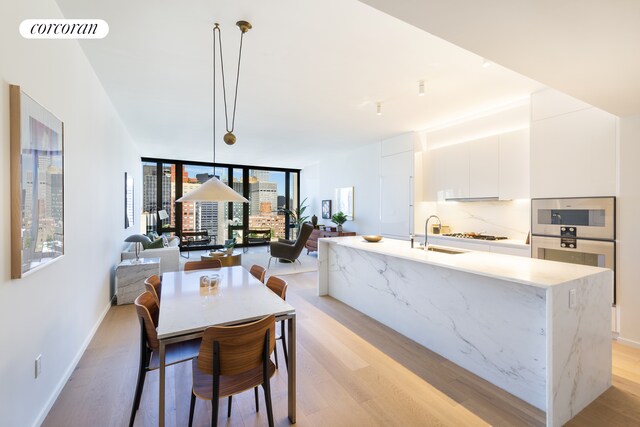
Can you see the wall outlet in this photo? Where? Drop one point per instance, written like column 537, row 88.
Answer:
column 38, row 365
column 572, row 298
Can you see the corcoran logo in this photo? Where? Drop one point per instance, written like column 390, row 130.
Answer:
column 64, row 29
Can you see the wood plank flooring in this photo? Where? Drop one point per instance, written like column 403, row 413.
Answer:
column 352, row 371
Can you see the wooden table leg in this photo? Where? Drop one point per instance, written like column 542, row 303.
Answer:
column 291, row 331
column 161, row 386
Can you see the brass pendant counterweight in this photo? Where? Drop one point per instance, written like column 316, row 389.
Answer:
column 229, row 138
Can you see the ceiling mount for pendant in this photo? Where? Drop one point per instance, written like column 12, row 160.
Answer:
column 244, row 26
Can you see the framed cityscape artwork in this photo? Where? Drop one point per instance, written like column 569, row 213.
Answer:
column 344, row 201
column 326, row 209
column 37, row 185
column 128, row 201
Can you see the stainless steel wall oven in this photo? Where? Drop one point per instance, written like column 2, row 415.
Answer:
column 575, row 230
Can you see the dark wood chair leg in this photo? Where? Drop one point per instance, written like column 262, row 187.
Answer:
column 214, row 411
column 145, row 356
column 192, row 406
column 229, row 407
column 284, row 344
column 267, row 397
column 255, row 390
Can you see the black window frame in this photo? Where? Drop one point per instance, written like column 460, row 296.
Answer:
column 179, row 167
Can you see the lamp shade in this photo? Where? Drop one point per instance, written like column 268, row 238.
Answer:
column 213, row 190
column 137, row 238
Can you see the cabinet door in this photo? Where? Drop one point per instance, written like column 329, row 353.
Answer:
column 514, row 165
column 574, row 155
column 396, row 185
column 452, row 171
column 484, row 167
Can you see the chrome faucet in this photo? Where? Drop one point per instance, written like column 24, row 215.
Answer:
column 426, row 230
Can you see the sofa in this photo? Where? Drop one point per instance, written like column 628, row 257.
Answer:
column 169, row 255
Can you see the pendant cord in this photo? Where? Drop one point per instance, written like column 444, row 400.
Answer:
column 235, row 98
column 224, row 85
column 214, row 91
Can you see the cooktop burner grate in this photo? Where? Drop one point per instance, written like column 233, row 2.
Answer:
column 475, row 236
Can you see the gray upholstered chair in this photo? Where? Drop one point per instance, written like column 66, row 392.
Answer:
column 291, row 249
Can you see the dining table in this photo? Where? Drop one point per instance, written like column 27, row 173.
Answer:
column 187, row 309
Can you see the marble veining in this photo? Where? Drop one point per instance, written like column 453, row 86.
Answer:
column 513, row 328
column 130, row 277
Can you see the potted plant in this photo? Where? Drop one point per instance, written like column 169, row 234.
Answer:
column 296, row 216
column 339, row 218
column 229, row 245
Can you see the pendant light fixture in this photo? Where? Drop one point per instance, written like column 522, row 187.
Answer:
column 421, row 88
column 215, row 190
column 379, row 109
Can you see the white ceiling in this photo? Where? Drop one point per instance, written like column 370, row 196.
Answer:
column 587, row 49
column 312, row 72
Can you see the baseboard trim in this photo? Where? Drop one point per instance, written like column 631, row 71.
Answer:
column 630, row 343
column 65, row 378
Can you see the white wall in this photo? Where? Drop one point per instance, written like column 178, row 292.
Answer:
column 628, row 203
column 54, row 311
column 359, row 168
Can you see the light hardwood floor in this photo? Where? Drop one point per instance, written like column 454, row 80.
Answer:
column 352, row 371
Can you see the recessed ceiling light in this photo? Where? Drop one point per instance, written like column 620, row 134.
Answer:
column 486, row 63
column 379, row 109
column 421, row 88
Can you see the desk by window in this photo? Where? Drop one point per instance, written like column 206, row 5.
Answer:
column 186, row 310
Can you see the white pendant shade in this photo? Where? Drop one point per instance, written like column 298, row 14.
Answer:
column 213, row 191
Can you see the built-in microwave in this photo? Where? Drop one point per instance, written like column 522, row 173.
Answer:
column 582, row 218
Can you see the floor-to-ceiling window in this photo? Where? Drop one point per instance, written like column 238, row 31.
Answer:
column 270, row 191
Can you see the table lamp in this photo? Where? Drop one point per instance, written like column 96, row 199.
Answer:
column 137, row 238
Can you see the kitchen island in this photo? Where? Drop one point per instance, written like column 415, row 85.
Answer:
column 537, row 329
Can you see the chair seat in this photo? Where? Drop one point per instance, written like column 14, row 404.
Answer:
column 176, row 353
column 229, row 385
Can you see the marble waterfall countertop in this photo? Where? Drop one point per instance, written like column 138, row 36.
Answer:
column 527, row 271
column 538, row 329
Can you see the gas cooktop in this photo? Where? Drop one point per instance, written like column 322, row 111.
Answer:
column 475, row 236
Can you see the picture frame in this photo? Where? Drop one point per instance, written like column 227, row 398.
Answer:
column 129, row 220
column 37, row 184
column 344, row 201
column 326, row 209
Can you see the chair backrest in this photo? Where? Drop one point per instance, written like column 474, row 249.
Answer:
column 241, row 348
column 278, row 286
column 258, row 272
column 147, row 310
column 202, row 265
column 153, row 285
column 303, row 236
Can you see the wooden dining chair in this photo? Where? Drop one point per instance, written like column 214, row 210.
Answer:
column 279, row 287
column 202, row 265
column 258, row 272
column 154, row 286
column 147, row 311
column 233, row 359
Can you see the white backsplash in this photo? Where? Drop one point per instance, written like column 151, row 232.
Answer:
column 499, row 218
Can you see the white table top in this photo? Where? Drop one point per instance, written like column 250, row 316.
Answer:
column 240, row 297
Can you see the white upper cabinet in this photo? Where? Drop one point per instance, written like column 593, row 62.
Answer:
column 514, row 165
column 484, row 167
column 573, row 154
column 452, row 171
column 396, row 186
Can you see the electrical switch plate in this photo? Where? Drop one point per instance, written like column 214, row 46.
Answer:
column 38, row 365
column 572, row 298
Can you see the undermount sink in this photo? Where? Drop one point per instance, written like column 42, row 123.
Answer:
column 442, row 250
